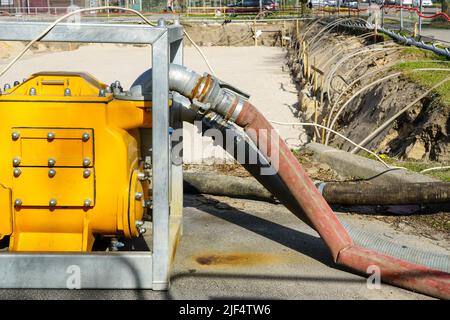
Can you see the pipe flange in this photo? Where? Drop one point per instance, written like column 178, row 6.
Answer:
column 237, row 110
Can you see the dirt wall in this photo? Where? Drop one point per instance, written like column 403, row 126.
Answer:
column 421, row 133
column 237, row 34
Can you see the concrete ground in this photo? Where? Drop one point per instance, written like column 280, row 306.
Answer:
column 248, row 249
column 232, row 248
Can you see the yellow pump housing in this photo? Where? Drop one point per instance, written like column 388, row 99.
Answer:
column 70, row 163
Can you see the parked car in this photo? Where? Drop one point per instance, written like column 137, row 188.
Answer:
column 350, row 4
column 425, row 3
column 251, row 6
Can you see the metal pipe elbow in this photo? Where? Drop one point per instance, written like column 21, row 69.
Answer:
column 183, row 80
column 205, row 90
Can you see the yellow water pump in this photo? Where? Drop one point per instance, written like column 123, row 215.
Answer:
column 70, row 163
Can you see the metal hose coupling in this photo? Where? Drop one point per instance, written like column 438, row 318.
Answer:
column 207, row 92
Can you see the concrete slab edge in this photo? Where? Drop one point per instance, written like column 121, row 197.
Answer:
column 347, row 164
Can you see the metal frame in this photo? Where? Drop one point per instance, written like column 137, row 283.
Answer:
column 125, row 270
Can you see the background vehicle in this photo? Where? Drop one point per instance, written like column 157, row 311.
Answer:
column 349, row 4
column 425, row 3
column 251, row 6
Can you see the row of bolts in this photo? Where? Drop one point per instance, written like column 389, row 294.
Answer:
column 115, row 87
column 86, row 173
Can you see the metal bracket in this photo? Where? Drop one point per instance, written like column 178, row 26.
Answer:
column 120, row 270
column 200, row 107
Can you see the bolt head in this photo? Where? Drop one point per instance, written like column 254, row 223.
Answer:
column 102, row 93
column 15, row 135
column 18, row 202
column 16, row 162
column 7, row 86
column 67, row 92
column 86, row 136
column 16, row 83
column 138, row 195
column 141, row 176
column 51, row 162
column 50, row 136
column 52, row 203
column 87, row 203
column 139, row 223
column 17, row 172
column 51, row 173
column 147, row 204
column 142, row 230
column 33, row 91
column 86, row 162
column 86, row 173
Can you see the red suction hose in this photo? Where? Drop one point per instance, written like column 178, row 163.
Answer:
column 210, row 94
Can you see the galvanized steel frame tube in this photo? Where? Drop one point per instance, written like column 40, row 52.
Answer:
column 165, row 51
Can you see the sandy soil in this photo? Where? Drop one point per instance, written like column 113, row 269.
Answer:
column 256, row 70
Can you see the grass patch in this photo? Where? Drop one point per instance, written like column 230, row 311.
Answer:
column 415, row 166
column 427, row 78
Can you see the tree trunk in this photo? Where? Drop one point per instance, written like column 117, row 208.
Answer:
column 446, row 6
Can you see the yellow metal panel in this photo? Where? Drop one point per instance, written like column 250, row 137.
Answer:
column 54, row 242
column 67, row 149
column 69, row 226
column 68, row 187
column 5, row 211
column 130, row 114
column 60, row 133
column 55, row 84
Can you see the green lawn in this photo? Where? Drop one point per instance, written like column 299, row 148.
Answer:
column 427, row 78
column 416, row 166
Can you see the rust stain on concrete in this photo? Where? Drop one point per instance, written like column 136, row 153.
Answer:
column 235, row 259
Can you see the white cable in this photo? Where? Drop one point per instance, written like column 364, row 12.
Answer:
column 435, row 169
column 57, row 21
column 338, row 134
column 377, row 131
column 200, row 52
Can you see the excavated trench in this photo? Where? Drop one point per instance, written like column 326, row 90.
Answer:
column 203, row 33
column 421, row 133
column 239, row 34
